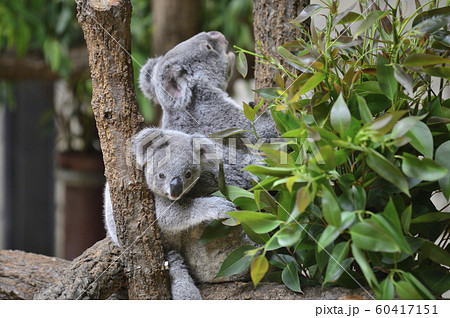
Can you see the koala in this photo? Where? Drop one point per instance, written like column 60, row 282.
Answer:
column 189, row 83
column 182, row 174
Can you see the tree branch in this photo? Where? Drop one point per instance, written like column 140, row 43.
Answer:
column 106, row 28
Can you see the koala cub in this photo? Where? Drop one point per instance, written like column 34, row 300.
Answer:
column 189, row 83
column 180, row 171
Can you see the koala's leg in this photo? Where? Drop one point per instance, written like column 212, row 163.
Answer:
column 183, row 286
column 108, row 214
column 176, row 216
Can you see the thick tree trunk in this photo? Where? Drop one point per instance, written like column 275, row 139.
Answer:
column 99, row 271
column 271, row 27
column 173, row 22
column 106, row 28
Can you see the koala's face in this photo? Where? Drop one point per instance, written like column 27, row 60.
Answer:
column 171, row 162
column 200, row 61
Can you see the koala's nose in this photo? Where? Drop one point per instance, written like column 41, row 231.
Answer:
column 217, row 36
column 176, row 187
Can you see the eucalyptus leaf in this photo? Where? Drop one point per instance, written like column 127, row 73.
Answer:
column 258, row 269
column 423, row 169
column 340, row 116
column 442, row 158
column 290, row 277
column 241, row 64
column 259, row 222
column 237, row 261
column 421, row 139
column 369, row 21
column 307, row 12
column 366, row 236
column 386, row 77
column 432, row 20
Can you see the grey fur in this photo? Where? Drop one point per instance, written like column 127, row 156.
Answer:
column 189, row 83
column 183, row 218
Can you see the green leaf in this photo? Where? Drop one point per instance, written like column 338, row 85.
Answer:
column 214, row 231
column 365, row 267
column 392, row 229
column 421, row 139
column 259, row 222
column 249, row 112
column 387, row 170
column 327, row 237
column 241, row 64
column 386, row 77
column 270, row 171
column 364, row 110
column 336, row 264
column 307, row 12
column 404, row 125
column 435, row 253
column 442, row 158
column 290, row 277
column 255, row 237
column 418, row 285
column 406, row 290
column 432, row 20
column 330, row 208
column 258, row 268
column 422, row 59
column 369, row 21
column 405, row 79
column 423, row 169
column 340, row 116
column 237, row 261
column 227, row 133
column 289, row 235
column 443, row 72
column 386, row 289
column 368, row 237
column 303, row 199
column 311, row 83
column 269, row 92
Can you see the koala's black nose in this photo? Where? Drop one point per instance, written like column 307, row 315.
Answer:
column 176, row 187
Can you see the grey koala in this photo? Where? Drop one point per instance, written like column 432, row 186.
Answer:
column 189, row 83
column 182, row 174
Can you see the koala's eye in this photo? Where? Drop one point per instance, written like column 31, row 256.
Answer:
column 162, row 176
column 209, row 47
column 188, row 174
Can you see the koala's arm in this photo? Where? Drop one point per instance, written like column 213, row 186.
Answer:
column 177, row 216
column 183, row 286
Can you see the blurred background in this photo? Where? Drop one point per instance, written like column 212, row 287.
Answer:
column 51, row 168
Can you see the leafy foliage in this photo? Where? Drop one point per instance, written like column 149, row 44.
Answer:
column 346, row 200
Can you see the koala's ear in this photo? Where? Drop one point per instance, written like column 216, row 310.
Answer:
column 143, row 142
column 147, row 78
column 175, row 90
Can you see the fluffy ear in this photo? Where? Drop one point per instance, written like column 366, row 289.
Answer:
column 147, row 80
column 174, row 90
column 144, row 142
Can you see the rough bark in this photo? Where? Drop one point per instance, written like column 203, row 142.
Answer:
column 23, row 274
column 173, row 22
column 95, row 274
column 106, row 28
column 271, row 28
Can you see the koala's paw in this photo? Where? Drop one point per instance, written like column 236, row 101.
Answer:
column 222, row 206
column 186, row 292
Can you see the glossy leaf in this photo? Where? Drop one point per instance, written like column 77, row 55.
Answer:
column 227, row 133
column 386, row 289
column 423, row 59
column 270, row 171
column 435, row 253
column 340, row 116
column 241, row 64
column 307, row 12
column 442, row 158
column 258, row 269
column 259, row 222
column 330, row 208
column 237, row 261
column 421, row 139
column 249, row 112
column 366, row 236
column 336, row 263
column 269, row 92
column 327, row 237
column 387, row 170
column 364, row 110
column 404, row 78
column 365, row 267
column 406, row 290
column 432, row 20
column 312, row 82
column 369, row 21
column 386, row 77
column 404, row 125
column 423, row 169
column 290, row 277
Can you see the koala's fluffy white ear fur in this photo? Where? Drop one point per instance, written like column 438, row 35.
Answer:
column 143, row 141
column 207, row 150
column 147, row 80
column 174, row 91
